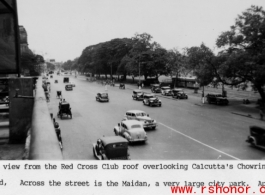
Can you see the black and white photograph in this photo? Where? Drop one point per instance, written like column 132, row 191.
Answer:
column 146, row 81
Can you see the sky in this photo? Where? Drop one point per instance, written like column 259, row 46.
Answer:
column 62, row 29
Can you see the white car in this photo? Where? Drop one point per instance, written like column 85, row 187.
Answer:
column 131, row 130
column 166, row 91
column 139, row 115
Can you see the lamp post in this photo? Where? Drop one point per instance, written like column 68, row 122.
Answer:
column 111, row 71
column 139, row 86
column 139, row 72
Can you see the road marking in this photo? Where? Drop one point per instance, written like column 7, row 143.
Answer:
column 199, row 142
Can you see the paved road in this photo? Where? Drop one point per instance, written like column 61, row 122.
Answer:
column 186, row 130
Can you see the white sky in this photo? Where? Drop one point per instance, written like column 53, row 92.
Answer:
column 61, row 29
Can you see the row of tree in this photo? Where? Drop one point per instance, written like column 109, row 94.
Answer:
column 241, row 58
column 30, row 63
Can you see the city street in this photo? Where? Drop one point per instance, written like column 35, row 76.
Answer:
column 186, row 129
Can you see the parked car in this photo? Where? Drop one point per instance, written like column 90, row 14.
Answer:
column 138, row 94
column 102, row 97
column 139, row 115
column 111, row 148
column 66, row 80
column 257, row 137
column 68, row 87
column 156, row 88
column 151, row 100
column 166, row 90
column 132, row 130
column 179, row 94
column 217, row 99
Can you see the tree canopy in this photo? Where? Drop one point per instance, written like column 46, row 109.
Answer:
column 241, row 58
column 244, row 50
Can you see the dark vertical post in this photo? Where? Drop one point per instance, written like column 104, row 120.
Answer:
column 17, row 37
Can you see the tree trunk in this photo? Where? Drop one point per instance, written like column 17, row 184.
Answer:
column 124, row 76
column 157, row 77
column 261, row 92
column 145, row 77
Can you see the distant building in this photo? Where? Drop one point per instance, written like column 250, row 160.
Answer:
column 23, row 40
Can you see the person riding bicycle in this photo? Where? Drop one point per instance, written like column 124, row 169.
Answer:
column 57, row 130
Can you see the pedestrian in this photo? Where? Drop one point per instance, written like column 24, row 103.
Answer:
column 203, row 97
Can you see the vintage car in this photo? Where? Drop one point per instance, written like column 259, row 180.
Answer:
column 166, row 90
column 59, row 94
column 111, row 148
column 66, row 80
column 102, row 97
column 68, row 87
column 64, row 109
column 55, row 81
column 151, row 100
column 138, row 94
column 179, row 94
column 156, row 88
column 132, row 130
column 122, row 86
column 148, row 123
column 216, row 99
column 257, row 137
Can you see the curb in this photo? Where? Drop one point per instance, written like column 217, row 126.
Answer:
column 245, row 115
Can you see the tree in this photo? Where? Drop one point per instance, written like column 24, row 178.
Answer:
column 145, row 57
column 50, row 66
column 177, row 63
column 244, row 50
column 200, row 60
